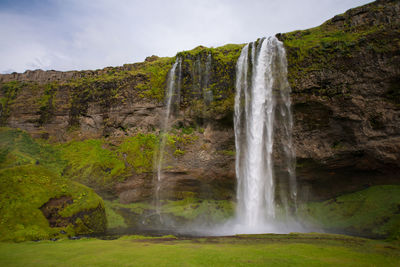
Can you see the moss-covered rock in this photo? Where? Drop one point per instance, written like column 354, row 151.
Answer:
column 373, row 212
column 208, row 82
column 36, row 202
column 8, row 93
column 39, row 204
column 333, row 46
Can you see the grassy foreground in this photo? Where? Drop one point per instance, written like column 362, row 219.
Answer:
column 242, row 250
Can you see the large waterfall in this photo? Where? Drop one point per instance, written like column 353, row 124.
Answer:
column 265, row 157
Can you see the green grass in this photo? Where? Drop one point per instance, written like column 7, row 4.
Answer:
column 373, row 211
column 264, row 250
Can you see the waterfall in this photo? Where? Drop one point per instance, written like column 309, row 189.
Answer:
column 263, row 117
column 172, row 99
column 200, row 83
column 207, row 93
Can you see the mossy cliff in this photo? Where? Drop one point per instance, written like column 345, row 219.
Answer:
column 102, row 127
column 344, row 76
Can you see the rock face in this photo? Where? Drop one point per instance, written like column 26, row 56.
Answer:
column 345, row 81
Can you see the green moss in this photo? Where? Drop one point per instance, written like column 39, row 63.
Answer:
column 89, row 162
column 46, row 102
column 186, row 209
column 331, row 46
column 373, row 211
column 18, row 148
column 220, row 85
column 9, row 93
column 228, row 152
column 156, row 74
column 136, row 207
column 191, row 208
column 183, row 130
column 179, row 153
column 114, row 220
column 93, row 162
column 138, row 151
column 24, row 189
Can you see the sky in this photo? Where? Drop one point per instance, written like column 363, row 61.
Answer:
column 92, row 34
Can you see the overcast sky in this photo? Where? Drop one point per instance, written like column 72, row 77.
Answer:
column 84, row 34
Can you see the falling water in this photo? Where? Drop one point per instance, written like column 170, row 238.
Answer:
column 207, row 93
column 262, row 116
column 172, row 96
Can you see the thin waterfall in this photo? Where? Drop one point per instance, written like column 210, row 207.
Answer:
column 207, row 93
column 172, row 99
column 196, row 78
column 262, row 115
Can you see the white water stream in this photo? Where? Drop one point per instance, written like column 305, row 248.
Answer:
column 262, row 110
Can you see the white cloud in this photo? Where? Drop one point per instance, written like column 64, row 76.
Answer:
column 77, row 34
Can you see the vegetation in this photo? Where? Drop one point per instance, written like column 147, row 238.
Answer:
column 47, row 102
column 18, row 148
column 331, row 46
column 9, row 92
column 137, row 207
column 254, row 250
column 25, row 189
column 101, row 164
column 218, row 84
column 156, row 73
column 90, row 163
column 114, row 220
column 373, row 211
column 187, row 209
column 192, row 209
column 138, row 151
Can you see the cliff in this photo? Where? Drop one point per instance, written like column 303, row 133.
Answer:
column 345, row 81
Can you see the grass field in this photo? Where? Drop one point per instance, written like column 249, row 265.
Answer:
column 242, row 250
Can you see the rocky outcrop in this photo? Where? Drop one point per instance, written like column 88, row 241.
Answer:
column 345, row 81
column 92, row 220
column 37, row 204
